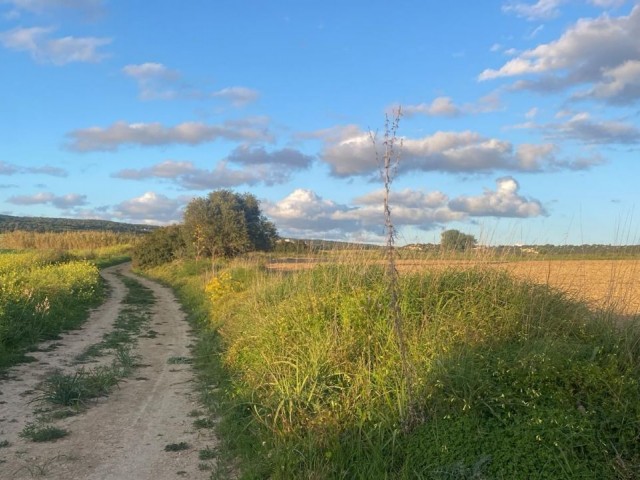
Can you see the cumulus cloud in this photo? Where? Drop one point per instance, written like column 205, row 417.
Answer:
column 63, row 202
column 243, row 166
column 153, row 134
column 150, row 208
column 603, row 51
column 585, row 129
column 38, row 43
column 349, row 152
column 503, row 202
column 304, row 213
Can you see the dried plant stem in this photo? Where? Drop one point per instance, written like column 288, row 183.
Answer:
column 388, row 168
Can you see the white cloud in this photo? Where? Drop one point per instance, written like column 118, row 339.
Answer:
column 532, row 113
column 548, row 9
column 503, row 202
column 41, row 6
column 353, row 153
column 445, row 107
column 439, row 107
column 152, row 134
column 63, row 202
column 155, row 80
column 10, row 169
column 304, row 213
column 150, row 208
column 238, row 96
column 257, row 166
column 582, row 127
column 541, row 10
column 57, row 51
column 603, row 51
column 619, row 85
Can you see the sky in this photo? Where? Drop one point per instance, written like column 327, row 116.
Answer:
column 520, row 120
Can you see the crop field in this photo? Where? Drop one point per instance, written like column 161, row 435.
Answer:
column 608, row 284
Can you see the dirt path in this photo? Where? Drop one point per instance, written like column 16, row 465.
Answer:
column 122, row 436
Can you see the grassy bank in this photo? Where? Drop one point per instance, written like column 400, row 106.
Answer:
column 511, row 380
column 41, row 295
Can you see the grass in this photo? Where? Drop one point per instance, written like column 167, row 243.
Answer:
column 37, row 432
column 177, row 447
column 513, row 380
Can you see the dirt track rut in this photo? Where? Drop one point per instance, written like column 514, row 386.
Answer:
column 121, row 436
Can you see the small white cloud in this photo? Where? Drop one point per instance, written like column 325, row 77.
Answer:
column 439, row 107
column 532, row 113
column 238, row 96
column 155, row 80
column 152, row 134
column 57, row 51
column 63, row 202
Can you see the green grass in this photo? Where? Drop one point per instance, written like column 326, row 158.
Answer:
column 512, row 380
column 37, row 432
column 177, row 447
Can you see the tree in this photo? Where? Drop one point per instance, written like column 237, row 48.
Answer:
column 456, row 240
column 160, row 246
column 225, row 224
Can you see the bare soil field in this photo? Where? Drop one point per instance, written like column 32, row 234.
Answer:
column 123, row 435
column 602, row 283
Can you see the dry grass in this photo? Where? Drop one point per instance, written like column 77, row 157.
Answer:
column 609, row 284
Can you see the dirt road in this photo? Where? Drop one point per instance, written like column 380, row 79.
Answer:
column 124, row 435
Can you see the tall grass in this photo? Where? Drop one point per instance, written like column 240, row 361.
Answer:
column 513, row 380
column 40, row 296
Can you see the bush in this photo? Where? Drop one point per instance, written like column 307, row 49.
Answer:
column 161, row 246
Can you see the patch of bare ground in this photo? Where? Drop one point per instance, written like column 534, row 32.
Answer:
column 123, row 435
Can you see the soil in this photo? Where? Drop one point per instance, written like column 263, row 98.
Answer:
column 124, row 435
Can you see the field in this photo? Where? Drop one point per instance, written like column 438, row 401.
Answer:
column 512, row 369
column 603, row 283
column 48, row 282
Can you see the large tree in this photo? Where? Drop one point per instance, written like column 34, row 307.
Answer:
column 456, row 240
column 225, row 223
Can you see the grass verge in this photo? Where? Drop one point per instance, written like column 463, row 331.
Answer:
column 513, row 380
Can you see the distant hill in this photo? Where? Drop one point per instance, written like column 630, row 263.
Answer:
column 10, row 223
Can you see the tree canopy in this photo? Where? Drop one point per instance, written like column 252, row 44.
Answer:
column 456, row 240
column 225, row 224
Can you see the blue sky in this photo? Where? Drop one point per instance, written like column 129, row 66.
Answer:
column 520, row 118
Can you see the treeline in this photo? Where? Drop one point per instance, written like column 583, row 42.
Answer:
column 10, row 223
column 73, row 240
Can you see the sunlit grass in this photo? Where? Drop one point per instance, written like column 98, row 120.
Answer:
column 513, row 379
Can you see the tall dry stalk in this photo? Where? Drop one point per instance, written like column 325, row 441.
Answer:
column 388, row 164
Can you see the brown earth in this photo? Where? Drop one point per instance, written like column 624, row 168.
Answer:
column 121, row 436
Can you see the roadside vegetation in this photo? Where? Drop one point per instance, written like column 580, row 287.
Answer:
column 48, row 283
column 495, row 377
column 513, row 380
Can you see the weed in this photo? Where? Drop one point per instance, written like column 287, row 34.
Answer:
column 207, row 454
column 176, row 447
column 5, row 443
column 36, row 432
column 204, row 423
column 179, row 360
